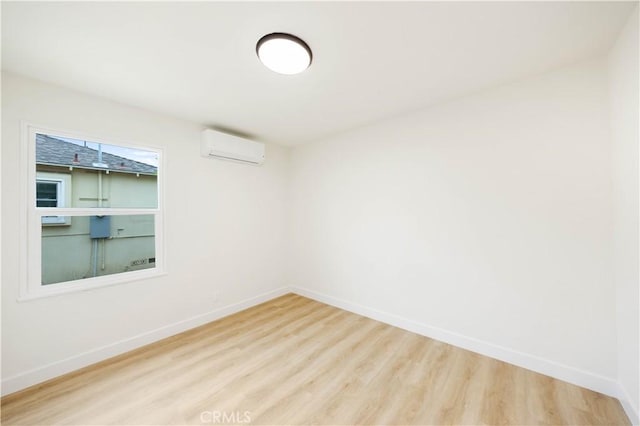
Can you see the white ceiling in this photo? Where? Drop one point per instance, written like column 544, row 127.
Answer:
column 371, row 59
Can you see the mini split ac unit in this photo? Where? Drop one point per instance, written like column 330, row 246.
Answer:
column 224, row 146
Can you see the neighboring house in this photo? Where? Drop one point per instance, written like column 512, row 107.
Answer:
column 75, row 247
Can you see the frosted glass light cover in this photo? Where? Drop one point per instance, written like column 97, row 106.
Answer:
column 284, row 53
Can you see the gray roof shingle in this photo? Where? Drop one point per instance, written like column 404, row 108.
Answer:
column 52, row 151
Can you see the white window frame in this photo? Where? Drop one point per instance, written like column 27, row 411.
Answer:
column 31, row 286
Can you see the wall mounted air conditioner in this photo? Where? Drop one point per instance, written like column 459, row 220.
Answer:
column 224, row 146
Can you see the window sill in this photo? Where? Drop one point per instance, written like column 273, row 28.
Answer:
column 89, row 284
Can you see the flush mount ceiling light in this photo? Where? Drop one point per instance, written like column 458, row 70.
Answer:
column 284, row 53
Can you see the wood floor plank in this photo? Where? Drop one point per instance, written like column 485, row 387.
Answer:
column 296, row 361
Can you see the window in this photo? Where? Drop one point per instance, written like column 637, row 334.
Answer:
column 93, row 211
column 51, row 191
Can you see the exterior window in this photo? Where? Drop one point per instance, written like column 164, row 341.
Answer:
column 94, row 213
column 51, row 193
column 48, row 193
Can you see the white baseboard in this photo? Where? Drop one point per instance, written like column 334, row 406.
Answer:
column 58, row 368
column 629, row 408
column 547, row 367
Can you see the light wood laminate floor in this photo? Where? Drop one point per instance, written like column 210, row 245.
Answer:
column 296, row 361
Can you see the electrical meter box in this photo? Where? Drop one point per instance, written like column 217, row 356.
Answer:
column 100, row 226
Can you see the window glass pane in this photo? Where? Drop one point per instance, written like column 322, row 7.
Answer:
column 100, row 175
column 46, row 194
column 96, row 246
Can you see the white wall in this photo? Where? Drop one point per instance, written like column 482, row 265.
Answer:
column 486, row 221
column 624, row 92
column 224, row 233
